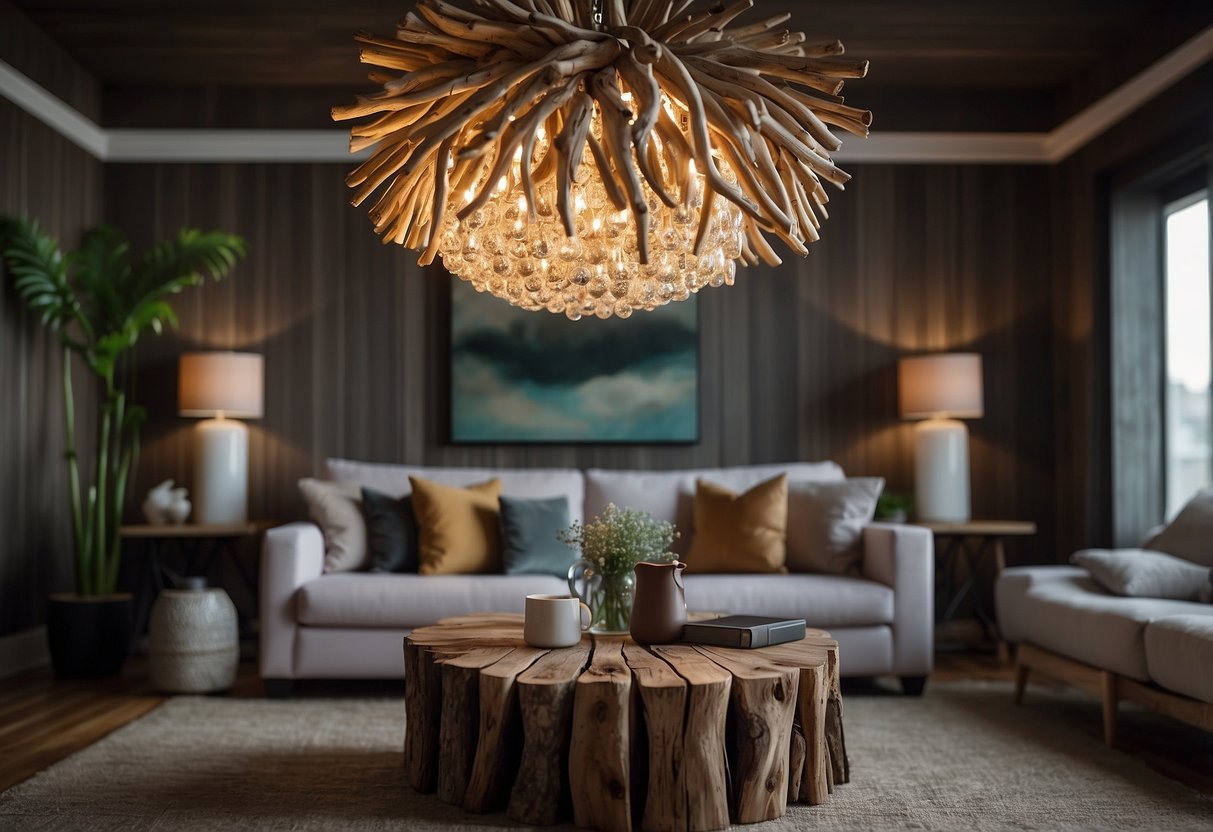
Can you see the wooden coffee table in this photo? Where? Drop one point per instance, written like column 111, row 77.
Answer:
column 675, row 737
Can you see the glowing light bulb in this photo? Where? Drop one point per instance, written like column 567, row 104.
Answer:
column 598, row 272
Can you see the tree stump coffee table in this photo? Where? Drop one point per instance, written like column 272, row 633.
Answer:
column 618, row 736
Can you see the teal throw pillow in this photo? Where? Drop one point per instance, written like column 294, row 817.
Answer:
column 528, row 536
column 391, row 532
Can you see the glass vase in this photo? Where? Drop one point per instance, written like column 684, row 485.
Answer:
column 612, row 604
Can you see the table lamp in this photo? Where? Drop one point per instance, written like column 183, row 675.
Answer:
column 940, row 390
column 220, row 385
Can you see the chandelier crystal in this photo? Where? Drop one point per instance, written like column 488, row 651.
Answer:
column 598, row 168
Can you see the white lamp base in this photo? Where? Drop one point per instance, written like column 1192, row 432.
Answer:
column 221, row 472
column 941, row 471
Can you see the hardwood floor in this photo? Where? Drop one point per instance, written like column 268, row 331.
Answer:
column 43, row 720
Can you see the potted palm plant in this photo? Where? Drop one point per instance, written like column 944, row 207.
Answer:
column 98, row 301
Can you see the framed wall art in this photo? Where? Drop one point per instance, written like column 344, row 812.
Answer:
column 535, row 377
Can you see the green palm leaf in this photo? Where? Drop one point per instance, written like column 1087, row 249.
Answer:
column 99, row 303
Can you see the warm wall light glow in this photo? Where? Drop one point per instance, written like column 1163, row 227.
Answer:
column 599, row 159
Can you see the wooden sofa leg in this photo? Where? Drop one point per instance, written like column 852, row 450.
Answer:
column 913, row 685
column 1021, row 681
column 1110, row 698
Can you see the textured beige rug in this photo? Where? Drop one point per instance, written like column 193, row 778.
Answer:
column 961, row 758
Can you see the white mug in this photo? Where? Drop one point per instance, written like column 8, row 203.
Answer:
column 554, row 620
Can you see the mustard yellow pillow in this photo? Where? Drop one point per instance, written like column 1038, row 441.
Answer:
column 457, row 527
column 740, row 532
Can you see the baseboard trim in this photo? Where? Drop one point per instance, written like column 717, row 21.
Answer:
column 23, row 651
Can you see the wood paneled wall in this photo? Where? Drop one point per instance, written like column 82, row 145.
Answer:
column 47, row 177
column 797, row 362
column 31, row 51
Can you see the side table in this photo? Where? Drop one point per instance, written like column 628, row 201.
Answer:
column 203, row 546
column 972, row 542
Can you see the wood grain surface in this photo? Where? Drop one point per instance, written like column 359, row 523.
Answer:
column 44, row 176
column 617, row 736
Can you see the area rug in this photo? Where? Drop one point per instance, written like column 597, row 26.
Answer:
column 960, row 758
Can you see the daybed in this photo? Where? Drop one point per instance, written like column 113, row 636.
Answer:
column 1155, row 651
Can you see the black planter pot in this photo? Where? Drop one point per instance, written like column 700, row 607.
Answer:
column 89, row 637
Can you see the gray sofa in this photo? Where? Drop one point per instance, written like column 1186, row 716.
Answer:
column 1155, row 652
column 351, row 624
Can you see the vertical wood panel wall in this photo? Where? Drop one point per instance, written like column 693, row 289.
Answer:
column 797, row 362
column 47, row 177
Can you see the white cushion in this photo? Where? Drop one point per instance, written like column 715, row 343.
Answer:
column 1142, row 573
column 826, row 522
column 336, row 507
column 361, row 599
column 1190, row 534
column 821, row 600
column 1068, row 613
column 531, row 483
column 670, row 495
column 1179, row 653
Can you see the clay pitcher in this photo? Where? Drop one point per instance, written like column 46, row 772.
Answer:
column 660, row 607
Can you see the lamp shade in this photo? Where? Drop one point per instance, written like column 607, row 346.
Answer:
column 947, row 385
column 227, row 383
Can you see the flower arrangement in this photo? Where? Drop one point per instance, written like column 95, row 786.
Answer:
column 611, row 545
column 619, row 538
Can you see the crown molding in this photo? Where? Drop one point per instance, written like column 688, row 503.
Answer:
column 1081, row 128
column 303, row 146
column 230, row 146
column 52, row 111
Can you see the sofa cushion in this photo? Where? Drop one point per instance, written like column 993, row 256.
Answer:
column 1179, row 654
column 1068, row 613
column 1142, row 573
column 826, row 520
column 515, row 482
column 821, row 600
column 391, row 532
column 530, row 544
column 1190, row 534
column 336, row 508
column 670, row 495
column 359, row 599
column 740, row 532
column 457, row 528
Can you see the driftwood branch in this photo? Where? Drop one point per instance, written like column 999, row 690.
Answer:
column 672, row 99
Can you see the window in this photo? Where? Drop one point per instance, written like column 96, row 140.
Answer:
column 1188, row 428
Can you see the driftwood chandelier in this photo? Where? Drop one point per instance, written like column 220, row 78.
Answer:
column 595, row 157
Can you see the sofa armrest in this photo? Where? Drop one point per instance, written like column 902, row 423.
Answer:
column 903, row 557
column 291, row 556
column 1014, row 584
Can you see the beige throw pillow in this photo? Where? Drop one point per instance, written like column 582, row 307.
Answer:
column 825, row 524
column 739, row 532
column 457, row 528
column 336, row 507
column 1190, row 534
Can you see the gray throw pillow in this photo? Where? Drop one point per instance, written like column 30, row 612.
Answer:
column 529, row 545
column 1206, row 594
column 1190, row 534
column 825, row 523
column 334, row 507
column 1142, row 573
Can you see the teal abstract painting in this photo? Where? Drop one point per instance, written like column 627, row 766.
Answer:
column 520, row 376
